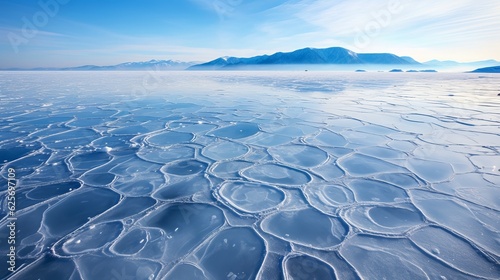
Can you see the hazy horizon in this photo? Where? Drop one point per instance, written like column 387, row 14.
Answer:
column 67, row 33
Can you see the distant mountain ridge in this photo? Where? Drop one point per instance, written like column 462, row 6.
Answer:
column 493, row 69
column 147, row 65
column 152, row 64
column 322, row 58
column 451, row 63
column 334, row 55
column 162, row 65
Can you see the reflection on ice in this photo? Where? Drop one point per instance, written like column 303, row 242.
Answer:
column 186, row 271
column 76, row 210
column 327, row 138
column 305, row 267
column 184, row 225
column 329, row 198
column 185, row 167
column 49, row 267
column 474, row 222
column 92, row 238
column 401, row 180
column 230, row 169
column 237, row 131
column 169, row 138
column 455, row 251
column 235, row 253
column 49, row 191
column 360, row 165
column 396, row 219
column 166, row 155
column 251, row 197
column 224, row 150
column 277, row 174
column 431, row 171
column 376, row 263
column 307, row 227
column 301, row 155
column 371, row 190
column 130, row 243
column 103, row 267
column 183, row 187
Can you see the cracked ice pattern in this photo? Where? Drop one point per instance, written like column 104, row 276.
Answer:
column 248, row 175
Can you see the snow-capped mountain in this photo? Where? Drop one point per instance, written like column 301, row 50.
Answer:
column 334, row 55
column 156, row 65
column 146, row 65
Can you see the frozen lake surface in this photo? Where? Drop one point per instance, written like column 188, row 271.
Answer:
column 245, row 175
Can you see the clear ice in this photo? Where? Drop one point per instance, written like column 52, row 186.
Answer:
column 251, row 175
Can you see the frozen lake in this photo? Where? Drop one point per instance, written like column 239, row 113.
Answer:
column 245, row 175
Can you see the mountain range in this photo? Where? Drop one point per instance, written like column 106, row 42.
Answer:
column 494, row 69
column 334, row 55
column 451, row 63
column 152, row 64
column 161, row 65
column 327, row 57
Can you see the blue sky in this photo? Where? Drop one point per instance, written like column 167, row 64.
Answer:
column 58, row 33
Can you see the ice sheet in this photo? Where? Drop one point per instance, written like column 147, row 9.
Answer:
column 244, row 175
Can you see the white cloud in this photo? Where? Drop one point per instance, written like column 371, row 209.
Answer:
column 419, row 24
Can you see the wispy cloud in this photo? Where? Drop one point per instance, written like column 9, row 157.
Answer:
column 416, row 22
column 4, row 31
column 343, row 17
